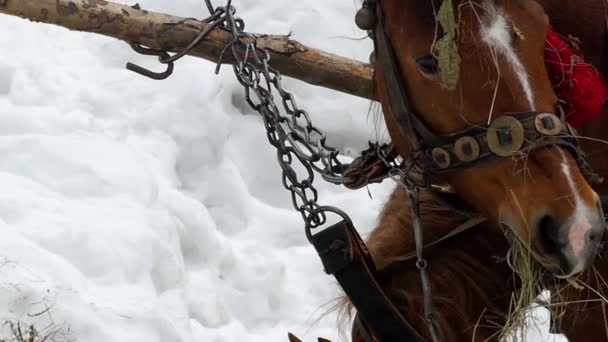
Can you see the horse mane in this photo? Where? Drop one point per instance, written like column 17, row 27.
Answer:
column 474, row 290
column 472, row 284
column 459, row 271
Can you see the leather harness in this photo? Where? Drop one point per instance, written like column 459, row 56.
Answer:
column 481, row 143
column 341, row 249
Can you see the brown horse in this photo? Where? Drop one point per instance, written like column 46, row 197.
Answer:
column 500, row 46
column 472, row 283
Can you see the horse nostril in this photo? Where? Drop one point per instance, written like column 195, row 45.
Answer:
column 593, row 236
column 548, row 229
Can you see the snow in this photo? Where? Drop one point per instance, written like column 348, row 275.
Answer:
column 138, row 210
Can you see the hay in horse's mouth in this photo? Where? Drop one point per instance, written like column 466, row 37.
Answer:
column 530, row 273
column 531, row 280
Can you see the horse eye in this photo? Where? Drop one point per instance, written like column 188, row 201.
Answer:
column 428, row 64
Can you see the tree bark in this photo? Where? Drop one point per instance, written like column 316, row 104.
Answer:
column 170, row 33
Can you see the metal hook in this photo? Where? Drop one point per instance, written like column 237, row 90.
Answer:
column 162, row 56
column 217, row 19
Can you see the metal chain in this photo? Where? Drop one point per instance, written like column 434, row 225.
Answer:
column 301, row 147
column 252, row 69
column 413, row 190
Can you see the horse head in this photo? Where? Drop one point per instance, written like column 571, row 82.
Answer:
column 482, row 117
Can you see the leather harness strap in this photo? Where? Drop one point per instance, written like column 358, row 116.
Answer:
column 342, row 250
column 410, row 125
column 360, row 332
column 344, row 256
column 435, row 153
column 479, row 136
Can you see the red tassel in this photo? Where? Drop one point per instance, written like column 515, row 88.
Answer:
column 578, row 84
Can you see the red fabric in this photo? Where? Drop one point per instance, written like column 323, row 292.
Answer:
column 578, row 84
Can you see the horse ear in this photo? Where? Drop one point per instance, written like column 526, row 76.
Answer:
column 292, row 338
column 400, row 141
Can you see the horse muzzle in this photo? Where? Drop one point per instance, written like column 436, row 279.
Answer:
column 572, row 244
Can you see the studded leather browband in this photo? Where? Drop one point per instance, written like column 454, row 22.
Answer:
column 505, row 136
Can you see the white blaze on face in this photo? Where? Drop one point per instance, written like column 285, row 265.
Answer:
column 497, row 33
column 577, row 236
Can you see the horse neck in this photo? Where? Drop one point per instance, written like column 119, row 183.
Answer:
column 393, row 237
column 469, row 286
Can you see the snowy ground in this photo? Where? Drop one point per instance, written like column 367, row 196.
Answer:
column 138, row 210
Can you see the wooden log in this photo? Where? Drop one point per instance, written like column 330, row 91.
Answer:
column 171, row 33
